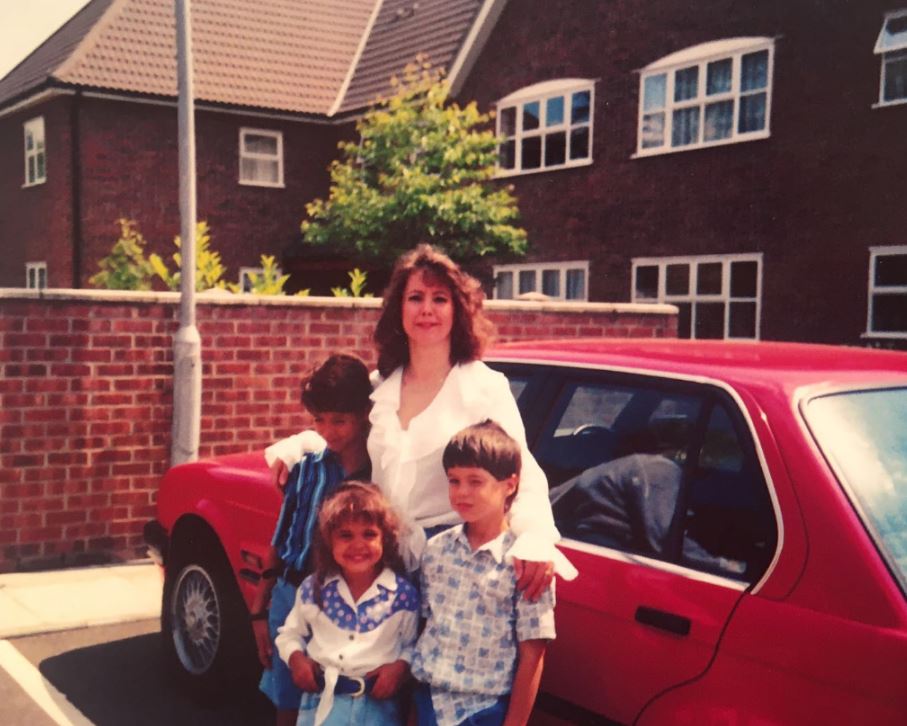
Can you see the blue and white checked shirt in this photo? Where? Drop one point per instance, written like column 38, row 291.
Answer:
column 476, row 620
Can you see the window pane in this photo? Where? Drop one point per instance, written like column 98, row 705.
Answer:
column 30, row 281
column 554, row 111
column 647, row 282
column 684, row 320
column 742, row 323
column 686, row 83
column 754, row 71
column 42, row 277
column 895, row 77
column 530, row 116
column 504, row 286
column 654, row 92
column 894, row 33
column 527, row 281
column 708, row 278
column 889, row 313
column 891, row 270
column 744, row 278
column 508, row 121
column 532, row 152
column 259, row 170
column 40, row 163
column 555, row 149
column 677, row 279
column 718, row 77
column 579, row 113
column 752, row 113
column 29, row 141
column 256, row 144
column 719, row 121
column 551, row 282
column 686, row 126
column 710, row 320
column 653, row 130
column 507, row 154
column 576, row 284
column 31, row 169
column 579, row 143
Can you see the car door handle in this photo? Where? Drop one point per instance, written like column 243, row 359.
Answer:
column 677, row 624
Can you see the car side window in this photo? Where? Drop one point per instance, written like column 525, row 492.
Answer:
column 660, row 470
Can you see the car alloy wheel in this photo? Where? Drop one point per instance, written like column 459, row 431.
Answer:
column 195, row 619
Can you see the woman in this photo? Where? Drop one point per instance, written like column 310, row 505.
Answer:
column 430, row 338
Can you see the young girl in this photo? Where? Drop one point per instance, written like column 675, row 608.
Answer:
column 348, row 639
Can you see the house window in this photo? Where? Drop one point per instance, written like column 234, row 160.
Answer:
column 35, row 155
column 892, row 46
column 557, row 280
column 546, row 126
column 710, row 94
column 36, row 275
column 245, row 277
column 261, row 158
column 887, row 316
column 718, row 296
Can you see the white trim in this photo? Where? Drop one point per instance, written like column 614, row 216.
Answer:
column 898, row 55
column 538, row 268
column 890, row 15
column 703, row 380
column 541, row 93
column 700, row 56
column 256, row 156
column 351, row 71
column 692, row 296
column 35, row 129
column 35, row 269
column 36, row 99
column 875, row 252
column 474, row 43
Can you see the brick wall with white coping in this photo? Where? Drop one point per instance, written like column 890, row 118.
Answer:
column 86, row 396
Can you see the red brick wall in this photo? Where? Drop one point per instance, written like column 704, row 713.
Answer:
column 813, row 197
column 86, row 397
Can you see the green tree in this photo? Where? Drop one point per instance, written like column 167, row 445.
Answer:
column 358, row 279
column 126, row 267
column 421, row 172
column 208, row 268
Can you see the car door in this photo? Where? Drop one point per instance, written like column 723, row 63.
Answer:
column 660, row 499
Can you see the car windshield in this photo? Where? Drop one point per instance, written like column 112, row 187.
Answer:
column 864, row 436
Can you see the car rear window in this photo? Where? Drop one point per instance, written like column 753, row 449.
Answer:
column 863, row 434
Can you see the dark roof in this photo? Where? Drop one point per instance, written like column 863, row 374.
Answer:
column 35, row 69
column 302, row 56
column 402, row 30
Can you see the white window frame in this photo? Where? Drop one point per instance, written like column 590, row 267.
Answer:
column 244, row 279
column 692, row 296
column 542, row 93
column 257, row 156
column 893, row 53
column 36, row 275
column 35, row 150
column 701, row 56
column 562, row 268
column 874, row 254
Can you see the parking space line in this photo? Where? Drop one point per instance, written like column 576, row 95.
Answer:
column 39, row 689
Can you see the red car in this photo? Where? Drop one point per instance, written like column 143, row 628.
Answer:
column 737, row 512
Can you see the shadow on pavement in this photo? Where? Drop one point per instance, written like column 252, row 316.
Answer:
column 124, row 682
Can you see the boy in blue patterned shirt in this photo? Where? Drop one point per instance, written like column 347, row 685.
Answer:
column 479, row 659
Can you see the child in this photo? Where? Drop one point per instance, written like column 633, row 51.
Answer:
column 480, row 656
column 336, row 394
column 348, row 639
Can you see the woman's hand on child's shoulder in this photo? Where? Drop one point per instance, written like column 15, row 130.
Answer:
column 532, row 578
column 388, row 678
column 305, row 672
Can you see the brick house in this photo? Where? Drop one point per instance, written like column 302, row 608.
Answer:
column 744, row 162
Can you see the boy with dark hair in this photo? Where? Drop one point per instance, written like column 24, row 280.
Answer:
column 336, row 394
column 480, row 657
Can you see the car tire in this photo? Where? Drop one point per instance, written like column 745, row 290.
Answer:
column 206, row 635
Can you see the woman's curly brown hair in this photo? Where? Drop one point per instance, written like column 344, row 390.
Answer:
column 471, row 332
column 354, row 501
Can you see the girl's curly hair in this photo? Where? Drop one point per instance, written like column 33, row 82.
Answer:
column 354, row 501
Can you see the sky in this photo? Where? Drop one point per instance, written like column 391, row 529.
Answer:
column 25, row 24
